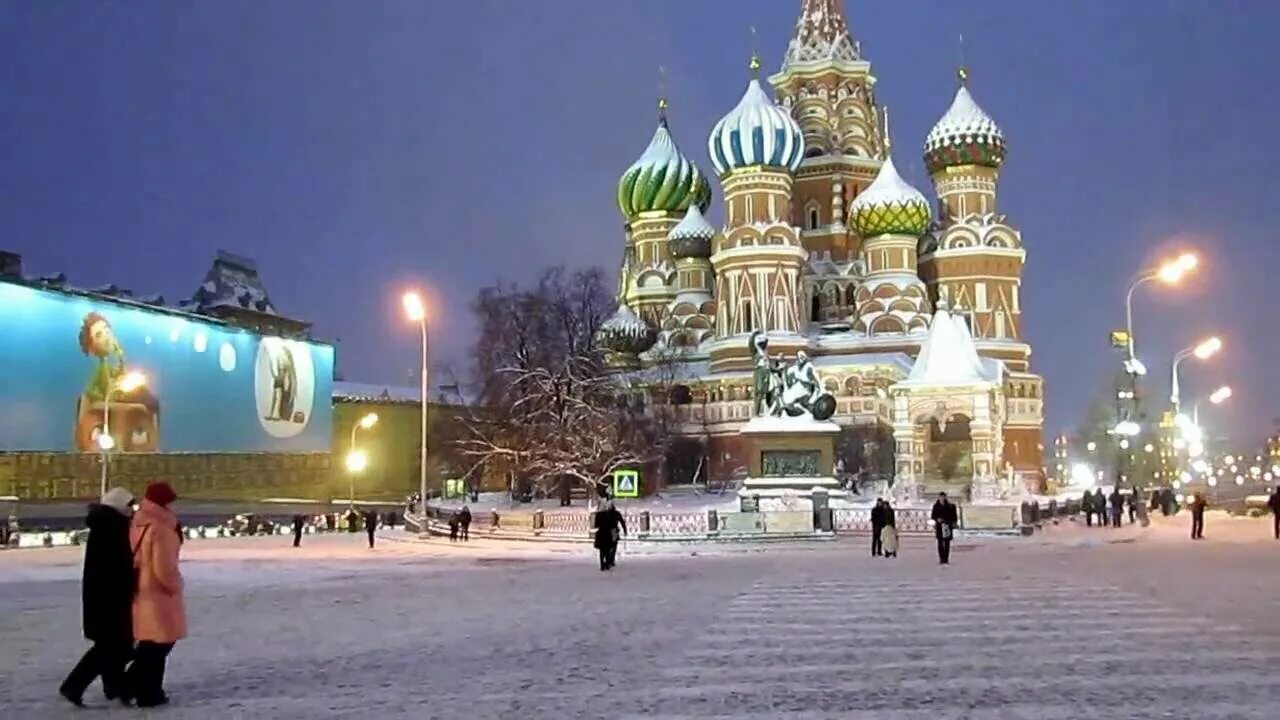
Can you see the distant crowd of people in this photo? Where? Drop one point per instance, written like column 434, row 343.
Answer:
column 1111, row 510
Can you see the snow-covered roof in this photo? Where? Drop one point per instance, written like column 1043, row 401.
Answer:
column 890, row 205
column 372, row 391
column 948, row 356
column 661, row 179
column 822, row 35
column 693, row 225
column 233, row 282
column 756, row 132
column 964, row 123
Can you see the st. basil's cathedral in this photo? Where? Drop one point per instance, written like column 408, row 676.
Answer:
column 909, row 308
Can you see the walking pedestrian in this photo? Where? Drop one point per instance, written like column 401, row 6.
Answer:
column 1139, row 503
column 1100, row 507
column 371, row 525
column 1117, row 506
column 455, row 520
column 877, row 524
column 610, row 524
column 1273, row 502
column 299, row 521
column 464, row 520
column 159, row 612
column 1198, row 506
column 106, row 597
column 1086, row 506
column 1132, row 504
column 945, row 518
column 889, row 532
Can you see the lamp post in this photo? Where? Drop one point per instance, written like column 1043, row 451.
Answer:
column 415, row 311
column 128, row 382
column 357, row 459
column 1202, row 351
column 1217, row 397
column 1169, row 273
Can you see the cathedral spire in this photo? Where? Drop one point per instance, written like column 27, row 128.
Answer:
column 822, row 35
column 662, row 96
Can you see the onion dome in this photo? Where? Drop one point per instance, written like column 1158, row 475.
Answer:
column 756, row 132
column 966, row 135
column 890, row 205
column 691, row 237
column 662, row 179
column 625, row 333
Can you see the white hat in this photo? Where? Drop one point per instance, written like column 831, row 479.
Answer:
column 120, row 500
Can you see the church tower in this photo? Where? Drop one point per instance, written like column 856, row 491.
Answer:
column 653, row 195
column 758, row 260
column 973, row 260
column 827, row 87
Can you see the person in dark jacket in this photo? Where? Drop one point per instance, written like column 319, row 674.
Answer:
column 1135, row 499
column 464, row 521
column 1100, row 507
column 455, row 520
column 1198, row 506
column 299, row 521
column 877, row 524
column 945, row 518
column 107, row 600
column 609, row 525
column 1117, row 506
column 1273, row 502
column 1086, row 507
column 371, row 525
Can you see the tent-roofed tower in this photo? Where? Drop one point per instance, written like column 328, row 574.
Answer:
column 827, row 86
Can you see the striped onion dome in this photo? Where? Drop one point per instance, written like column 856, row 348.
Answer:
column 625, row 333
column 662, row 179
column 691, row 237
column 966, row 135
column 756, row 132
column 890, row 205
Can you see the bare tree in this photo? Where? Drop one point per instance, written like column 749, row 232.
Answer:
column 548, row 409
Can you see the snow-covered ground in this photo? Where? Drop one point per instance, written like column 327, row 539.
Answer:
column 1073, row 624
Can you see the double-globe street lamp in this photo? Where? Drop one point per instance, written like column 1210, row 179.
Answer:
column 357, row 458
column 416, row 311
column 127, row 383
column 1201, row 351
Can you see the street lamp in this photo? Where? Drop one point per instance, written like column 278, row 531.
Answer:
column 357, row 460
column 1202, row 351
column 416, row 312
column 1169, row 273
column 127, row 383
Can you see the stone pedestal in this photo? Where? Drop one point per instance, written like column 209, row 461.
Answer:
column 788, row 458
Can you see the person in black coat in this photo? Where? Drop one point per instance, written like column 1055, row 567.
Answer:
column 299, row 521
column 877, row 524
column 107, row 600
column 371, row 525
column 1100, row 507
column 1197, row 517
column 1117, row 506
column 464, row 521
column 1086, row 506
column 945, row 518
column 609, row 524
column 1273, row 502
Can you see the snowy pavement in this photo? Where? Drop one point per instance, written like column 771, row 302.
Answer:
column 1075, row 624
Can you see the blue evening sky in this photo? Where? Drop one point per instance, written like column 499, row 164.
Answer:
column 356, row 147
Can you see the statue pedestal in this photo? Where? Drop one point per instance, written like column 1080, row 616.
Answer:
column 789, row 458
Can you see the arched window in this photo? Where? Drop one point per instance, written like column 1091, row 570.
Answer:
column 813, row 218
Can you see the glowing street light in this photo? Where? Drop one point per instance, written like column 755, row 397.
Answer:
column 416, row 312
column 1168, row 273
column 127, row 383
column 357, row 461
column 1201, row 351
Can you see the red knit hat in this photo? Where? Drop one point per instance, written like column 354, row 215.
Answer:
column 160, row 493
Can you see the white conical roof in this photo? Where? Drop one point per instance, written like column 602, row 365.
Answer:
column 888, row 188
column 693, row 226
column 963, row 122
column 948, row 356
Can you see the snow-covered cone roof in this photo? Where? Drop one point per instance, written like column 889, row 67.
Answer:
column 662, row 179
column 691, row 237
column 756, row 132
column 890, row 205
column 966, row 135
column 232, row 282
column 625, row 333
column 948, row 355
column 822, row 35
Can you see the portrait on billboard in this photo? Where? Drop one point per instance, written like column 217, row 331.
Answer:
column 284, row 383
column 131, row 415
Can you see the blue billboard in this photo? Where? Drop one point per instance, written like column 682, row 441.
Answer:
column 73, row 366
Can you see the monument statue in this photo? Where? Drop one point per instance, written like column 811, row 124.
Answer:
column 794, row 389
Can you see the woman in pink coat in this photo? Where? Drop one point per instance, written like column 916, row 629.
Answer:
column 159, row 617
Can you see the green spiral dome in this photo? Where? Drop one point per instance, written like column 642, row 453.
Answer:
column 662, row 179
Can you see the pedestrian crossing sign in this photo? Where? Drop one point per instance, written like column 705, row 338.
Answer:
column 626, row 483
